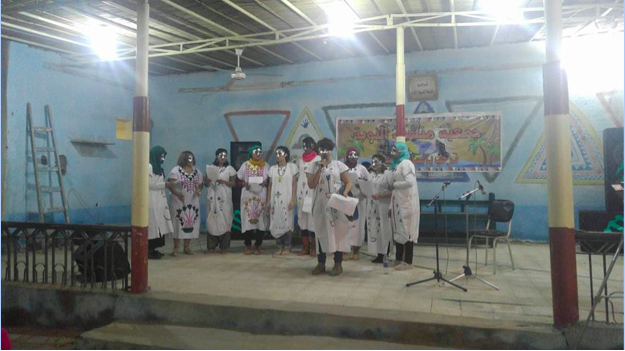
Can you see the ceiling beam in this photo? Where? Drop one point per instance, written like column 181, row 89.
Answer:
column 214, row 24
column 299, row 12
column 400, row 4
column 268, row 26
column 452, row 7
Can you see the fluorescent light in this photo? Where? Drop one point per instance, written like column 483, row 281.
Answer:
column 340, row 19
column 103, row 42
column 594, row 62
column 505, row 10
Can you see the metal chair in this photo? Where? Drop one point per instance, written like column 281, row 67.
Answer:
column 499, row 211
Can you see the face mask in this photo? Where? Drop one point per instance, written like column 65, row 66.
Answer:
column 190, row 159
column 280, row 153
column 352, row 156
column 394, row 151
column 222, row 155
column 257, row 152
column 376, row 161
column 309, row 147
column 162, row 159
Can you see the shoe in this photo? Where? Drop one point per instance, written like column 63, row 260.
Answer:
column 153, row 255
column 319, row 269
column 248, row 250
column 379, row 259
column 395, row 263
column 174, row 252
column 224, row 252
column 356, row 255
column 187, row 251
column 403, row 266
column 305, row 249
column 279, row 253
column 211, row 251
column 345, row 256
column 337, row 269
column 160, row 254
column 256, row 250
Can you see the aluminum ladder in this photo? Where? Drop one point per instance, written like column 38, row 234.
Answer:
column 50, row 151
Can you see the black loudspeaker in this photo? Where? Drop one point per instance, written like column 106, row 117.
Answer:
column 93, row 251
column 613, row 167
column 238, row 155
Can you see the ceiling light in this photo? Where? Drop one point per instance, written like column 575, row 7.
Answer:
column 103, row 42
column 340, row 19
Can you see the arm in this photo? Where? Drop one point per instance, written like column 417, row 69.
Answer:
column 405, row 183
column 171, row 182
column 230, row 182
column 313, row 179
column 268, row 199
column 348, row 183
column 382, row 196
column 293, row 193
column 155, row 184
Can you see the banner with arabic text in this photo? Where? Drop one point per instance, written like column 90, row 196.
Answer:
column 448, row 142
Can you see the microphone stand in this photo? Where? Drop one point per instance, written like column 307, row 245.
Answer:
column 467, row 268
column 437, row 273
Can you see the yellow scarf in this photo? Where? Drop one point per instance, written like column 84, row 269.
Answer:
column 260, row 163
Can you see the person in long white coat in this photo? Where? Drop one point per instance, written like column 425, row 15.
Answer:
column 187, row 184
column 327, row 177
column 404, row 205
column 254, row 218
column 357, row 227
column 160, row 218
column 306, row 198
column 379, row 233
column 219, row 210
column 281, row 193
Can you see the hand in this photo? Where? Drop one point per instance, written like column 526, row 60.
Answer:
column 346, row 193
column 267, row 206
column 324, row 163
column 291, row 205
column 197, row 192
column 179, row 196
column 247, row 186
column 221, row 181
column 207, row 181
column 375, row 197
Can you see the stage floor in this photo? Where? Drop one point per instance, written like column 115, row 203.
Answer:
column 524, row 294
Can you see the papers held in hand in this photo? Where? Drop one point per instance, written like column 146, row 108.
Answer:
column 255, row 183
column 354, row 179
column 344, row 204
column 212, row 172
column 367, row 187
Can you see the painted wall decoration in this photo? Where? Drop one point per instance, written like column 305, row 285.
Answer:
column 586, row 155
column 449, row 142
column 258, row 132
column 305, row 126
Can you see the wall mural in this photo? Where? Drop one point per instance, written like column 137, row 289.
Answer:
column 612, row 102
column 305, row 126
column 498, row 104
column 259, row 113
column 586, row 155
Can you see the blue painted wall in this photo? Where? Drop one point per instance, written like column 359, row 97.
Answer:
column 83, row 108
column 195, row 121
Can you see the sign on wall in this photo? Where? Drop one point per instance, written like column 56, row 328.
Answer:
column 422, row 87
column 448, row 142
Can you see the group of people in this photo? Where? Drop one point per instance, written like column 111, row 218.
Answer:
column 271, row 194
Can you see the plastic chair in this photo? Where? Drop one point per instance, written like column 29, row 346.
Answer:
column 499, row 211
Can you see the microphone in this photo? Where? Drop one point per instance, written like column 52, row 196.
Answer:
column 481, row 187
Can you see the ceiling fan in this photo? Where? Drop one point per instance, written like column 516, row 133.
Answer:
column 238, row 73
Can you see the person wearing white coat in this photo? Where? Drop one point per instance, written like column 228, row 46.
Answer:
column 405, row 211
column 357, row 227
column 219, row 209
column 159, row 224
column 378, row 219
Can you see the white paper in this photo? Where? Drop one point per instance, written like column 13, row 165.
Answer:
column 367, row 187
column 212, row 172
column 255, row 180
column 353, row 176
column 344, row 204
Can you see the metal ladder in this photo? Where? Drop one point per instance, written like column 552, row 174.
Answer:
column 48, row 150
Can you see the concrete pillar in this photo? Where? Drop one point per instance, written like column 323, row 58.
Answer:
column 559, row 173
column 5, row 118
column 140, row 156
column 400, row 87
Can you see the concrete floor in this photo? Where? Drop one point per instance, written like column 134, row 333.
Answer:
column 524, row 294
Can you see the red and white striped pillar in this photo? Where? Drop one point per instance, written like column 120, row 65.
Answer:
column 559, row 173
column 141, row 156
column 400, row 87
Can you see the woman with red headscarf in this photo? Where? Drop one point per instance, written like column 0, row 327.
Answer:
column 357, row 227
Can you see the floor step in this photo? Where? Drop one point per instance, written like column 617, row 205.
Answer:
column 128, row 335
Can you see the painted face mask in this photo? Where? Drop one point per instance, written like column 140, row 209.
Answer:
column 352, row 156
column 376, row 161
column 394, row 152
column 161, row 159
column 280, row 153
column 257, row 152
column 309, row 146
column 222, row 155
column 190, row 159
